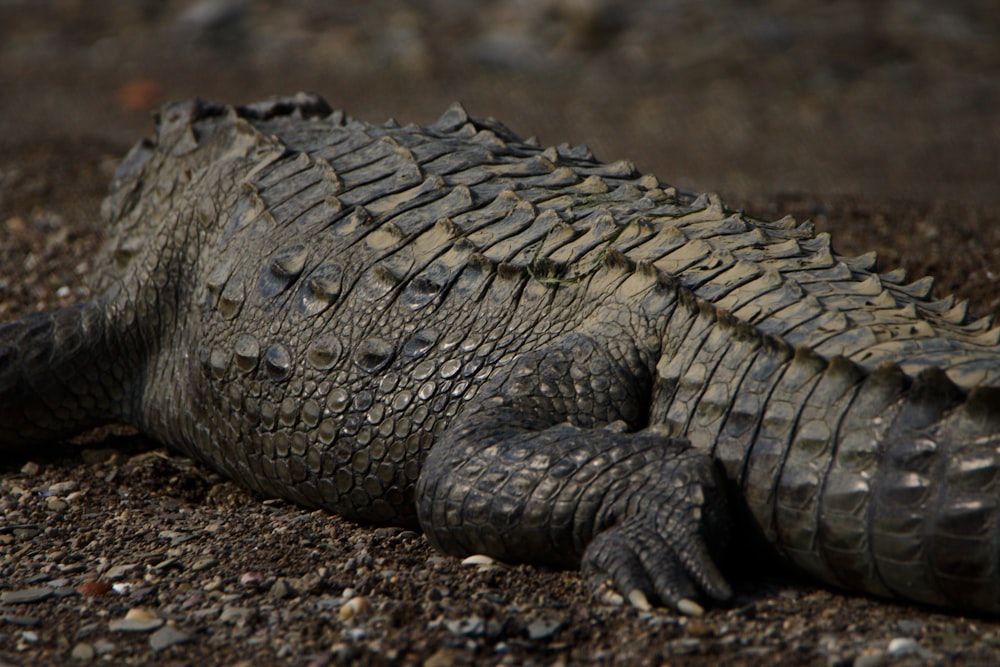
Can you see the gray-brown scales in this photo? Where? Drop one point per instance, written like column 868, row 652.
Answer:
column 527, row 352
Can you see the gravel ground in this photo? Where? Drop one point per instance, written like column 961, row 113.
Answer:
column 116, row 550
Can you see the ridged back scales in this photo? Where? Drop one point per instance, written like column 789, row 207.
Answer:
column 415, row 206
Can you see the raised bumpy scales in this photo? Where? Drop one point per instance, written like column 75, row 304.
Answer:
column 531, row 353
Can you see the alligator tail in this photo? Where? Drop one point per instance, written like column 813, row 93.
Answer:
column 907, row 504
column 59, row 375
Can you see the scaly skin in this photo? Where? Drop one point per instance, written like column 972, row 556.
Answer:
column 530, row 353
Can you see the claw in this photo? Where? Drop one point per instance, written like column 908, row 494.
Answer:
column 665, row 550
column 604, row 592
column 619, row 559
column 614, row 600
column 690, row 607
column 699, row 564
column 639, row 600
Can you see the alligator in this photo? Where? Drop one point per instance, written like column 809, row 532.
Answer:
column 529, row 354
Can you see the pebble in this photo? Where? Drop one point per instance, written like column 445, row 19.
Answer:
column 251, row 579
column 543, row 628
column 63, row 488
column 207, row 612
column 134, row 624
column 684, row 645
column 94, row 588
column 176, row 537
column 71, row 568
column 204, row 564
column 355, row 608
column 120, row 571
column 388, row 531
column 168, row 563
column 30, row 469
column 19, row 619
column 871, row 660
column 103, row 646
column 213, row 584
column 901, row 647
column 309, row 583
column 470, row 626
column 281, row 589
column 26, row 595
column 83, row 651
column 136, row 620
column 694, row 628
column 26, row 532
column 209, row 15
column 167, row 636
column 479, row 559
column 87, row 629
column 344, row 653
column 238, row 615
column 55, row 504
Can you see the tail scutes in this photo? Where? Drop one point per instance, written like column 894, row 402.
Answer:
column 58, row 375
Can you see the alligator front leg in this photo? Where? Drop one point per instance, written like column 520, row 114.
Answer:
column 532, row 473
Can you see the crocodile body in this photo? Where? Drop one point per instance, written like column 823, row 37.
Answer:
column 527, row 352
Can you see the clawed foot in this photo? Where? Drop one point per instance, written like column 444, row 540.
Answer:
column 664, row 551
column 644, row 567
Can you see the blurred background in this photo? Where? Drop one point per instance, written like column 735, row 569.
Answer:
column 874, row 98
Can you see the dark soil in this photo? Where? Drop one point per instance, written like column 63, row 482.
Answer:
column 881, row 126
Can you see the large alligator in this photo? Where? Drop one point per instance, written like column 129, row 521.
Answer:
column 529, row 353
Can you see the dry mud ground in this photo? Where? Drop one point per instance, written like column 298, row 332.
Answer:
column 883, row 128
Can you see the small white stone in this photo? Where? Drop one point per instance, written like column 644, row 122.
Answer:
column 479, row 559
column 900, row 647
